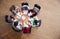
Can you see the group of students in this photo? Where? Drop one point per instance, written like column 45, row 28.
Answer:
column 32, row 13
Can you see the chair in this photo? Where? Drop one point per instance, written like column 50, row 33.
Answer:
column 36, row 8
column 16, row 27
column 14, row 9
column 8, row 19
column 38, row 23
column 32, row 13
column 26, row 29
column 24, row 6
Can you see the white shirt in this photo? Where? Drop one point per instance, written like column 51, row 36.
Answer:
column 25, row 11
column 18, row 27
column 29, row 14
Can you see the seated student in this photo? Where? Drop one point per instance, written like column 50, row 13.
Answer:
column 36, row 8
column 24, row 7
column 35, row 22
column 32, row 21
column 8, row 18
column 14, row 9
column 31, row 13
column 17, row 26
column 26, row 28
column 29, row 23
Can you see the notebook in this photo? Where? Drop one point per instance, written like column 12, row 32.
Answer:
column 25, row 12
column 23, row 17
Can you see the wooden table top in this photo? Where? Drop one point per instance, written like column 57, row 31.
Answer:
column 24, row 18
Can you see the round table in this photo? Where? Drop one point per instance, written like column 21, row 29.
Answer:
column 22, row 17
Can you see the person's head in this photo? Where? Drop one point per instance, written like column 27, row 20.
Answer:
column 36, row 8
column 13, row 7
column 12, row 17
column 15, row 23
column 25, row 28
column 24, row 6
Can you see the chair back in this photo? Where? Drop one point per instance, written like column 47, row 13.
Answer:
column 36, row 8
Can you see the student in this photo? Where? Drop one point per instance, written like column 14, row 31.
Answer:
column 14, row 9
column 26, row 28
column 36, row 8
column 35, row 22
column 8, row 18
column 31, row 13
column 32, row 22
column 17, row 26
column 24, row 7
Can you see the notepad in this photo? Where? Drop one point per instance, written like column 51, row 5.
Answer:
column 25, row 12
column 19, row 27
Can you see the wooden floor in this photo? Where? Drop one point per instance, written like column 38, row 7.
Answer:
column 49, row 14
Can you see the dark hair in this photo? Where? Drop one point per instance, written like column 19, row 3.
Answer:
column 24, row 3
column 35, row 21
column 25, row 28
column 6, row 18
column 15, row 23
column 11, row 17
column 36, row 5
column 12, row 7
